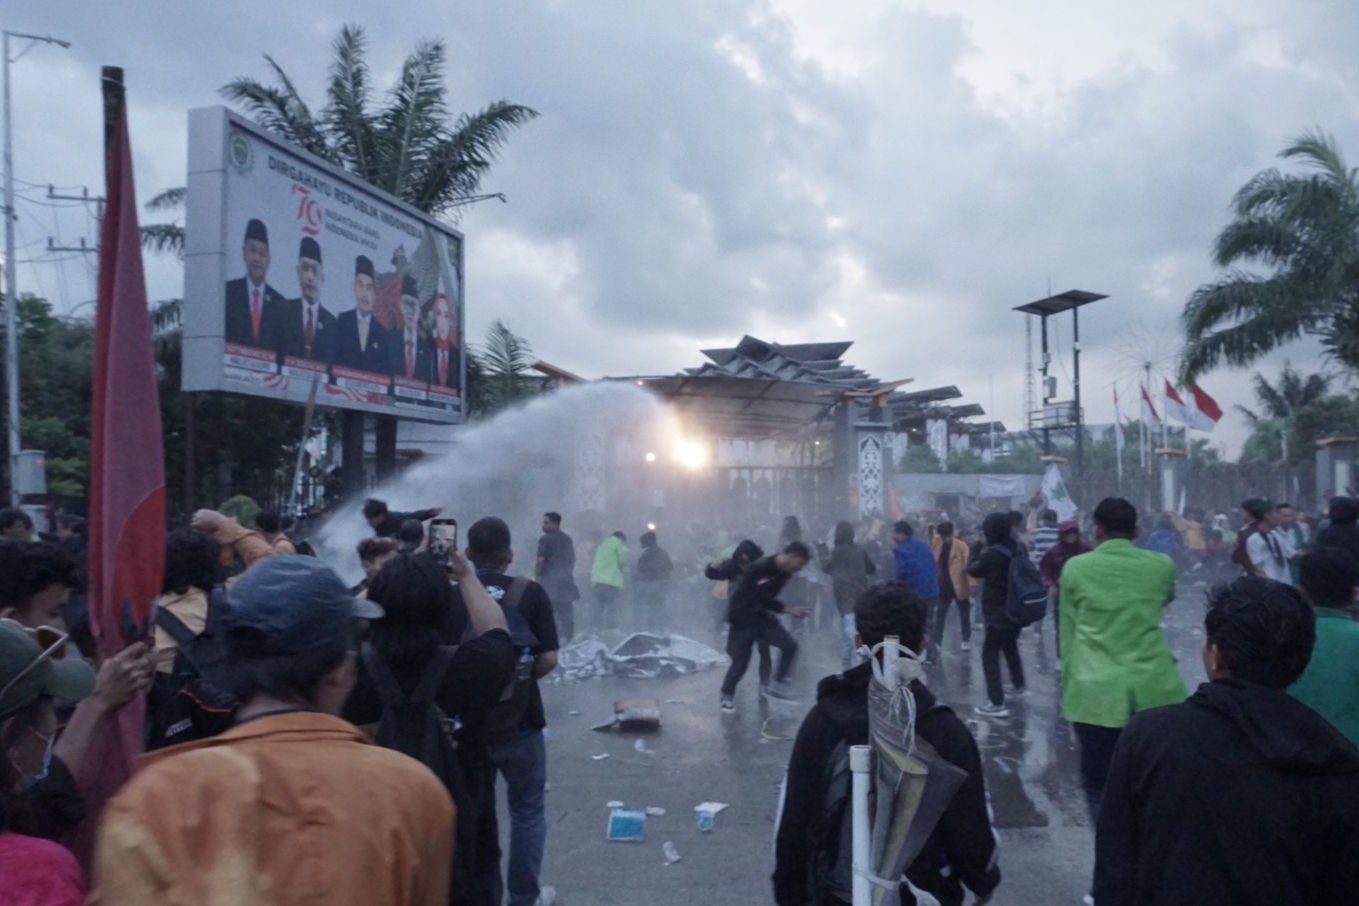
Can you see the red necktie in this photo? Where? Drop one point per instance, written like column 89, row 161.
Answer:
column 255, row 314
column 309, row 333
column 410, row 360
column 443, row 367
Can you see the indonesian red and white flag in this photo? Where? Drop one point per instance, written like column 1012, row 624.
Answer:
column 1149, row 411
column 1175, row 407
column 1204, row 410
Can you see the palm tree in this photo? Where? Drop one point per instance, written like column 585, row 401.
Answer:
column 1305, row 229
column 407, row 147
column 1290, row 394
column 498, row 371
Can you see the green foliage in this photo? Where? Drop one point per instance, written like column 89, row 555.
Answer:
column 966, row 462
column 1265, row 444
column 1292, row 392
column 498, row 371
column 56, row 358
column 1303, row 230
column 407, row 146
column 918, row 458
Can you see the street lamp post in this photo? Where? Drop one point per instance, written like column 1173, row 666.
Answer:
column 11, row 267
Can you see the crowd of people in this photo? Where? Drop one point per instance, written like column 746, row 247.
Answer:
column 311, row 741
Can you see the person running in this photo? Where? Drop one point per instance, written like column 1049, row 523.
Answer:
column 1116, row 657
column 1242, row 794
column 730, row 570
column 1002, row 633
column 916, row 568
column 753, row 614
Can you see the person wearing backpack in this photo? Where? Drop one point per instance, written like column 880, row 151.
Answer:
column 992, row 567
column 513, row 731
column 812, row 846
column 1115, row 657
column 431, row 699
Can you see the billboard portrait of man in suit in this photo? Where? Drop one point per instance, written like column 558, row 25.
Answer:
column 310, row 332
column 254, row 309
column 409, row 350
column 445, row 367
column 361, row 342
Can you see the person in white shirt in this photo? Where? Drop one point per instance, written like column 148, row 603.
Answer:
column 1268, row 548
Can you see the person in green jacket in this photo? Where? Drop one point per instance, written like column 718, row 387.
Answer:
column 1330, row 684
column 606, row 577
column 1115, row 657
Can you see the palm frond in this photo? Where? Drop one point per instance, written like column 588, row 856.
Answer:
column 280, row 110
column 168, row 200
column 460, row 161
column 163, row 237
column 413, row 120
column 346, row 117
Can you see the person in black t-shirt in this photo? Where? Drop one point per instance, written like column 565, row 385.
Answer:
column 516, row 745
column 415, row 593
column 752, row 612
column 385, row 523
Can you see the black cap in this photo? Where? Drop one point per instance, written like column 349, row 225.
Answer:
column 309, row 248
column 256, row 229
column 409, row 287
column 487, row 537
column 363, row 265
column 289, row 605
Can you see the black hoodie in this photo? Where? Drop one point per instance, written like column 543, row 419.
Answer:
column 1241, row 795
column 962, row 849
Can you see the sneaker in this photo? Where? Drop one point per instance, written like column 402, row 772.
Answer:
column 778, row 692
column 546, row 896
column 1019, row 691
column 990, row 710
column 967, row 646
column 728, row 705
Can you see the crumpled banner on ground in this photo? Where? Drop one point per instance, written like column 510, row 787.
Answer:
column 641, row 655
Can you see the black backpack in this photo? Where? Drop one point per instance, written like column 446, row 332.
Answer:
column 191, row 701
column 1026, row 597
column 415, row 725
column 506, row 717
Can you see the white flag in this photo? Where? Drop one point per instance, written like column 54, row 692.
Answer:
column 1055, row 493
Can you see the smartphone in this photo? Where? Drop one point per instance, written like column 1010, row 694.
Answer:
column 443, row 537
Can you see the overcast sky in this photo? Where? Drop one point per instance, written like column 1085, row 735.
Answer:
column 899, row 174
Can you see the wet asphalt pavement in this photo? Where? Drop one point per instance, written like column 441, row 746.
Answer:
column 1030, row 758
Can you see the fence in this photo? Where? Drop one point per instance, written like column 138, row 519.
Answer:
column 1209, row 487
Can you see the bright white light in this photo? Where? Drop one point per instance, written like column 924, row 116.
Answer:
column 651, row 526
column 650, row 457
column 691, row 454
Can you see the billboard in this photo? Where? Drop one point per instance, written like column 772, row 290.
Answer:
column 298, row 276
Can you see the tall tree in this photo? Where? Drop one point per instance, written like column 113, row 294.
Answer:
column 411, row 146
column 498, row 371
column 1303, row 229
column 1288, row 395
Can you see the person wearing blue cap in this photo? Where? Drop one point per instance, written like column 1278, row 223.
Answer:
column 254, row 309
column 292, row 804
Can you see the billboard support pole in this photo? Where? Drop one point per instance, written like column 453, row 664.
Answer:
column 352, row 442
column 386, row 446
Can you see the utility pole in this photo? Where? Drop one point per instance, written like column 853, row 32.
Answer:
column 11, row 269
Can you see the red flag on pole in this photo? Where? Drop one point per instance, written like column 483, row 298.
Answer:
column 1175, row 407
column 127, row 473
column 1206, row 412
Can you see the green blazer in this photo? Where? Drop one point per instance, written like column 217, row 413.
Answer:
column 1115, row 658
column 1330, row 684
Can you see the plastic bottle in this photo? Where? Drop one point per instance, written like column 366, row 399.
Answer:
column 671, row 854
column 705, row 821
